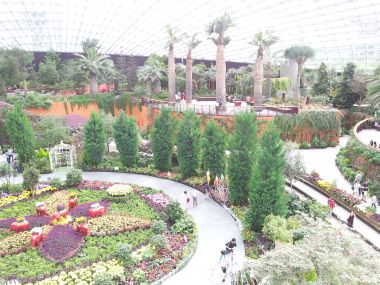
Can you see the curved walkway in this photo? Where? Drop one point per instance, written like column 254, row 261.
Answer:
column 367, row 135
column 215, row 225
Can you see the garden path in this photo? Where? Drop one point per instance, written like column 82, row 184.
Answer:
column 215, row 226
column 323, row 161
column 369, row 134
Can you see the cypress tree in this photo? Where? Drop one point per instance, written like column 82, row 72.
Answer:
column 323, row 84
column 213, row 149
column 188, row 143
column 21, row 134
column 267, row 190
column 126, row 138
column 241, row 162
column 162, row 138
column 94, row 141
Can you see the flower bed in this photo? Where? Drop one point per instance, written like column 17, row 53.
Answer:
column 157, row 201
column 83, row 209
column 119, row 190
column 4, row 201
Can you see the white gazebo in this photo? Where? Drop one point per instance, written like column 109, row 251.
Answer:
column 62, row 155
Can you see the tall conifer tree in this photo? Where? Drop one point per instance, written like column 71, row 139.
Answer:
column 94, row 140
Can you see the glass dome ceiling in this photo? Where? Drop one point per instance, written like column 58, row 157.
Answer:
column 338, row 30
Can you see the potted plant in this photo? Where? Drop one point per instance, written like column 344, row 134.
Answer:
column 20, row 225
column 73, row 200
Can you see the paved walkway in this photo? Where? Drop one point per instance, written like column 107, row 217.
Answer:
column 367, row 135
column 323, row 161
column 215, row 226
column 342, row 214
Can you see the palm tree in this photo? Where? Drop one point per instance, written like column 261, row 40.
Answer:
column 172, row 38
column 263, row 40
column 198, row 75
column 95, row 64
column 217, row 31
column 270, row 60
column 299, row 54
column 148, row 74
column 158, row 69
column 191, row 43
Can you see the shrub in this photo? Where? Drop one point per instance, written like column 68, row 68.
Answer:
column 57, row 183
column 138, row 275
column 311, row 275
column 74, row 177
column 159, row 227
column 323, row 144
column 31, row 175
column 163, row 140
column 43, row 164
column 159, row 242
column 173, row 211
column 315, row 142
column 305, row 145
column 275, row 228
column 123, row 252
column 184, row 226
column 317, row 210
column 293, row 223
column 103, row 278
column 94, row 141
column 126, row 137
column 42, row 153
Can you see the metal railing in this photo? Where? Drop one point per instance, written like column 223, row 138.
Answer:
column 214, row 110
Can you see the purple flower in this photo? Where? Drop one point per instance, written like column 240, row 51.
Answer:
column 37, row 221
column 157, row 201
column 6, row 223
column 82, row 210
column 62, row 243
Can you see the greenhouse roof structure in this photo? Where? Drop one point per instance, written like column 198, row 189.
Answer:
column 338, row 30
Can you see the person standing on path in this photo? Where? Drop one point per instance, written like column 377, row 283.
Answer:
column 357, row 188
column 185, row 199
column 195, row 198
column 350, row 220
column 358, row 177
column 374, row 201
column 365, row 191
column 223, row 264
column 208, row 177
column 208, row 190
column 331, row 204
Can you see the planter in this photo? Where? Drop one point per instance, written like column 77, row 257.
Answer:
column 82, row 229
column 20, row 226
column 73, row 203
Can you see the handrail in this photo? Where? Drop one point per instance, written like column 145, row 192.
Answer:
column 360, row 126
column 261, row 111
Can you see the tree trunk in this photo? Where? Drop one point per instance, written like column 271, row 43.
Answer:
column 171, row 74
column 148, row 88
column 268, row 82
column 93, row 83
column 258, row 78
column 189, row 79
column 298, row 81
column 25, row 87
column 157, row 86
column 220, row 88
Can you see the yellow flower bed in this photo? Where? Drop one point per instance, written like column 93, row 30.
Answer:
column 85, row 276
column 61, row 197
column 324, row 184
column 119, row 190
column 24, row 195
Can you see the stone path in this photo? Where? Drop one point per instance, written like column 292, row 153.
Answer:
column 215, row 226
column 369, row 134
column 362, row 228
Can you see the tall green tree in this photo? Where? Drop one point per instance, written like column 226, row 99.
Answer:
column 173, row 37
column 51, row 131
column 94, row 141
column 21, row 134
column 162, row 138
column 191, row 43
column 126, row 137
column 299, row 54
column 263, row 40
column 217, row 30
column 49, row 69
column 346, row 97
column 323, row 84
column 189, row 144
column 213, row 149
column 267, row 189
column 241, row 162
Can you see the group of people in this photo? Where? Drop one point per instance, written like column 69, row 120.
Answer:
column 226, row 257
column 350, row 220
column 180, row 96
column 374, row 144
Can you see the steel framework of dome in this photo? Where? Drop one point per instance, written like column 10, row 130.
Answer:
column 62, row 155
column 339, row 30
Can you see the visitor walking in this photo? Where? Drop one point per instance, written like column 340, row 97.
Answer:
column 223, row 264
column 9, row 155
column 350, row 220
column 331, row 203
column 358, row 177
column 357, row 188
column 195, row 198
column 216, row 182
column 208, row 177
column 230, row 246
column 185, row 200
column 374, row 201
column 208, row 190
column 365, row 191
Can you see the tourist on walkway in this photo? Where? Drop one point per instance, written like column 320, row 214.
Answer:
column 331, row 203
column 208, row 190
column 185, row 200
column 208, row 177
column 9, row 156
column 358, row 177
column 357, row 187
column 216, row 181
column 230, row 246
column 223, row 264
column 195, row 198
column 374, row 201
column 364, row 191
column 350, row 220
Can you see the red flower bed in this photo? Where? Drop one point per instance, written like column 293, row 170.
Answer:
column 94, row 185
column 62, row 243
column 33, row 220
column 83, row 209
